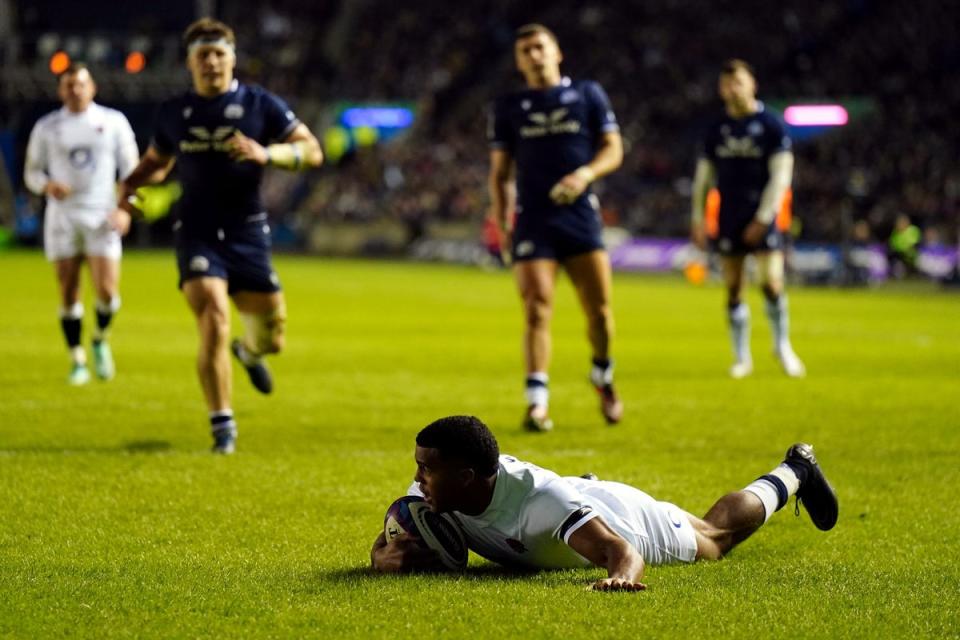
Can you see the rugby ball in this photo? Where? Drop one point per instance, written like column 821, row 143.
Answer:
column 437, row 531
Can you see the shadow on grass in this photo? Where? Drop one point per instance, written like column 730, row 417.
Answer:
column 322, row 580
column 135, row 447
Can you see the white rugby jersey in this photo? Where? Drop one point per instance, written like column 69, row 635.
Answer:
column 534, row 511
column 88, row 151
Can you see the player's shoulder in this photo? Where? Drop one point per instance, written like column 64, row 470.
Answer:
column 114, row 115
column 511, row 98
column 769, row 116
column 256, row 93
column 526, row 473
column 175, row 104
column 584, row 85
column 50, row 119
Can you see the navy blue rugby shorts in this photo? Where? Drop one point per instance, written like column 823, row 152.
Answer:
column 729, row 240
column 556, row 235
column 240, row 255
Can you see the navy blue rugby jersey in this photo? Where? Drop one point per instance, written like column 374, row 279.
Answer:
column 550, row 133
column 740, row 149
column 218, row 191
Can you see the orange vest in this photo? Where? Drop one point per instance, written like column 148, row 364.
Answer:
column 711, row 212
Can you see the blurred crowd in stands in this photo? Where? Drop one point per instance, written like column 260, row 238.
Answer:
column 658, row 61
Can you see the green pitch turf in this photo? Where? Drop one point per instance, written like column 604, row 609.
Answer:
column 115, row 521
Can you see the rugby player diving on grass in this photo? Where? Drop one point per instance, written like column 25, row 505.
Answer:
column 519, row 515
column 221, row 135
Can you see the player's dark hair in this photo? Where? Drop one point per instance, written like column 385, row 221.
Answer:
column 528, row 30
column 735, row 64
column 74, row 68
column 465, row 438
column 208, row 29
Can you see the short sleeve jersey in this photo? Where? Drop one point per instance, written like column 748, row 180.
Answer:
column 219, row 192
column 740, row 149
column 550, row 133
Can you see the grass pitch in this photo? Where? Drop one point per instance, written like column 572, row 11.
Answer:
column 115, row 521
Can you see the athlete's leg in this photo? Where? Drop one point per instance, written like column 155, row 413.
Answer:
column 536, row 282
column 105, row 273
column 738, row 315
column 738, row 515
column 207, row 297
column 770, row 266
column 593, row 282
column 264, row 317
column 71, row 315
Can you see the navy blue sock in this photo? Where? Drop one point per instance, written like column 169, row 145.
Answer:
column 222, row 420
column 71, row 331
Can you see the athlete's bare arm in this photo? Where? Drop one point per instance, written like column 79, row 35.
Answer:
column 154, row 167
column 780, row 167
column 503, row 194
column 608, row 159
column 596, row 542
column 704, row 179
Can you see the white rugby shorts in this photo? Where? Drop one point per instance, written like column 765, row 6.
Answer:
column 660, row 531
column 70, row 234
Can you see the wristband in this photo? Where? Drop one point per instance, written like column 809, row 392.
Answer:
column 287, row 155
column 586, row 174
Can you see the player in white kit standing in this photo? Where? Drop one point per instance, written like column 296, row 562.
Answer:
column 75, row 157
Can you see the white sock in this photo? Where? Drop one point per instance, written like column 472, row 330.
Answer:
column 601, row 376
column 537, row 392
column 739, row 317
column 774, row 489
column 779, row 316
column 78, row 356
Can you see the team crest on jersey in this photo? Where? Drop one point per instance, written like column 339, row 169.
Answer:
column 569, row 96
column 549, row 124
column 233, row 111
column 525, row 105
column 516, row 545
column 755, row 128
column 81, row 157
column 199, row 263
column 187, row 112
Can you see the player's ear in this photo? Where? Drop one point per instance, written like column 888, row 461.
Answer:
column 467, row 476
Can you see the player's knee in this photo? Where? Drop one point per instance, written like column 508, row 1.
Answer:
column 538, row 312
column 215, row 325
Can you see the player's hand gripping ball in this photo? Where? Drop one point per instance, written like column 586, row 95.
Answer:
column 440, row 532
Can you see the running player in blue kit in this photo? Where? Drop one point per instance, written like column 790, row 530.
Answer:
column 222, row 134
column 548, row 143
column 748, row 156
